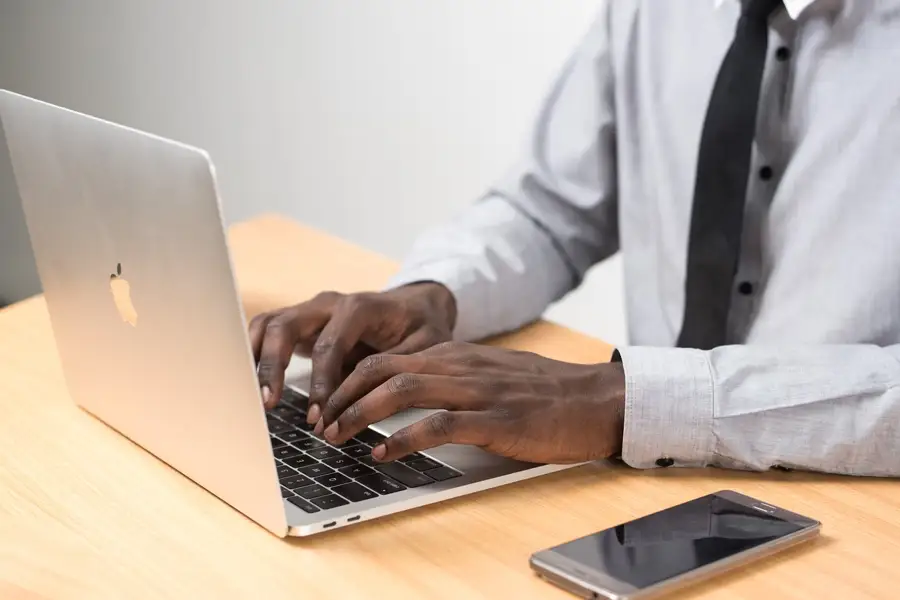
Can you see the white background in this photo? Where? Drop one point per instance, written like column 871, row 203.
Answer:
column 371, row 119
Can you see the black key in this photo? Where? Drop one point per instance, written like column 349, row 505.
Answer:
column 332, row 501
column 282, row 410
column 313, row 491
column 309, row 443
column 380, row 483
column 304, row 426
column 298, row 419
column 276, row 426
column 354, row 492
column 367, row 460
column 276, row 443
column 358, row 451
column 422, row 464
column 300, row 461
column 410, row 457
column 316, row 470
column 323, row 453
column 370, row 436
column 356, row 470
column 339, row 462
column 332, row 480
column 286, row 493
column 285, row 472
column 442, row 473
column 285, row 452
column 292, row 436
column 405, row 475
column 303, row 504
column 297, row 481
column 351, row 442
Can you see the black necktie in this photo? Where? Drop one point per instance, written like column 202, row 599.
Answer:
column 723, row 166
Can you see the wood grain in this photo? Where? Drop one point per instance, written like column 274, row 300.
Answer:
column 86, row 514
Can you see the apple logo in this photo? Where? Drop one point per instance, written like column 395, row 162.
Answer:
column 121, row 292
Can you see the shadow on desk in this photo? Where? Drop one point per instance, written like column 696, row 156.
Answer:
column 426, row 527
column 612, row 475
column 729, row 476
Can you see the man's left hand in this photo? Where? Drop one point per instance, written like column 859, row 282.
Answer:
column 515, row 404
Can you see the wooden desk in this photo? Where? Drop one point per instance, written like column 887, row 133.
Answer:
column 85, row 514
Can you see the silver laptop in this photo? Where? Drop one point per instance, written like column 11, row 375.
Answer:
column 130, row 244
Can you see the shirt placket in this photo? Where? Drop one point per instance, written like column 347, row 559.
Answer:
column 769, row 159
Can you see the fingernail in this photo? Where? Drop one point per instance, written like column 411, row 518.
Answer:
column 379, row 451
column 314, row 414
column 332, row 431
column 319, row 427
column 266, row 395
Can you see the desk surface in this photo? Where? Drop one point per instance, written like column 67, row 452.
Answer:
column 86, row 514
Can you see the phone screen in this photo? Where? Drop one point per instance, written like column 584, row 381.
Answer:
column 672, row 542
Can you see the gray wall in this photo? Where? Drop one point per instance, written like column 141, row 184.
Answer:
column 18, row 278
column 368, row 118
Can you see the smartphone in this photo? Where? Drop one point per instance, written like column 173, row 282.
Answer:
column 668, row 550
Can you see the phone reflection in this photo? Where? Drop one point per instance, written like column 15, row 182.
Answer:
column 672, row 542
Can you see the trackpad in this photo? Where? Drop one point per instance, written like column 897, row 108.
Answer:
column 402, row 419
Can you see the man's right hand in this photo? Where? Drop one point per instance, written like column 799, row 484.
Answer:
column 338, row 330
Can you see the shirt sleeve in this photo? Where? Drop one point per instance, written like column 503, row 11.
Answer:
column 535, row 234
column 832, row 409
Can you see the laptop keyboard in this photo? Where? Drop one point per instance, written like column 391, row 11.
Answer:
column 316, row 475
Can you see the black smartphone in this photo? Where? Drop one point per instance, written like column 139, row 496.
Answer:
column 675, row 547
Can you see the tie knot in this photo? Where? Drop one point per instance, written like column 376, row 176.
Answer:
column 759, row 10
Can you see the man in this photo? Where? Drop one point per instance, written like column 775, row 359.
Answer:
column 743, row 155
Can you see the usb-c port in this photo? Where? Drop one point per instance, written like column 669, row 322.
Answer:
column 327, row 525
column 356, row 518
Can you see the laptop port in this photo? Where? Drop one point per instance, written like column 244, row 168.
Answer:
column 327, row 525
column 356, row 518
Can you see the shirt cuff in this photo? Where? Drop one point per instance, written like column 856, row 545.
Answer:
column 472, row 322
column 669, row 402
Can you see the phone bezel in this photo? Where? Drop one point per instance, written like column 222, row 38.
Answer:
column 584, row 580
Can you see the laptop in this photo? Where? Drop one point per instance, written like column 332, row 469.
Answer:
column 131, row 249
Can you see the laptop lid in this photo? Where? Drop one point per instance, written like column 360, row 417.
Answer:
column 130, row 246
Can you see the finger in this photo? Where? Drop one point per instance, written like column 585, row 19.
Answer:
column 356, row 355
column 334, row 345
column 257, row 332
column 419, row 340
column 279, row 337
column 370, row 373
column 445, row 427
column 400, row 392
column 309, row 317
column 275, row 335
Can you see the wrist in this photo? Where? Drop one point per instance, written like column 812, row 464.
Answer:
column 440, row 301
column 611, row 386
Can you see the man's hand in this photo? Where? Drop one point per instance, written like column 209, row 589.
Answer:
column 514, row 404
column 338, row 330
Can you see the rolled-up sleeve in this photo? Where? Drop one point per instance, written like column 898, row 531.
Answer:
column 533, row 236
column 832, row 409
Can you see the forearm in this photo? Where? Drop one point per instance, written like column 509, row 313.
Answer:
column 823, row 408
column 502, row 270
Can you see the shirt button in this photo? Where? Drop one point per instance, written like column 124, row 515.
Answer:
column 783, row 53
column 664, row 462
column 766, row 173
column 745, row 288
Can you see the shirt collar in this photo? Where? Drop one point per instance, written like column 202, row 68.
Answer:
column 793, row 7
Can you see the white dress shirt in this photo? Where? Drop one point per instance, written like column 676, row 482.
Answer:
column 812, row 376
